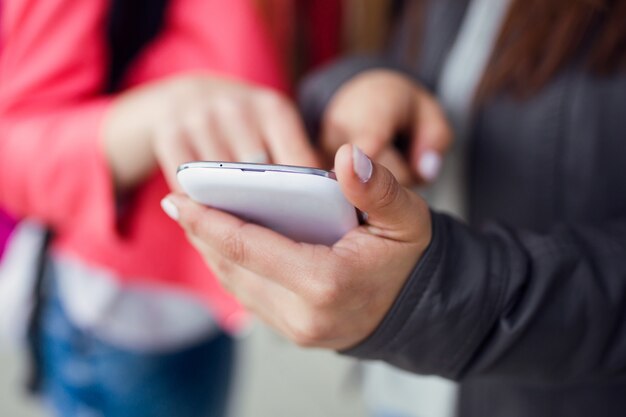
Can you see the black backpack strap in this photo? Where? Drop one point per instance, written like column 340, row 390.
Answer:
column 132, row 24
column 33, row 331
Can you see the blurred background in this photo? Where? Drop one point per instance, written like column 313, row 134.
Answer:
column 274, row 378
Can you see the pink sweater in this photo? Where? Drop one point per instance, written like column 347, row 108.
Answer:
column 52, row 166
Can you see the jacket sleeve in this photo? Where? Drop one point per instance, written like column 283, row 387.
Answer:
column 511, row 304
column 52, row 65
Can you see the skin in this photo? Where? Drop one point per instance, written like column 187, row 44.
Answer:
column 372, row 108
column 318, row 296
column 330, row 297
column 199, row 117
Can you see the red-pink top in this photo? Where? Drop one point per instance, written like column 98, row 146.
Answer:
column 52, row 166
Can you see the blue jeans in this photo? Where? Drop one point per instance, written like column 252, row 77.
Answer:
column 84, row 376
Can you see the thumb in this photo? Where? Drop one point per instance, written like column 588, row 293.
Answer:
column 392, row 211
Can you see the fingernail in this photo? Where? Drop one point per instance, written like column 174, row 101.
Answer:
column 429, row 165
column 361, row 164
column 169, row 208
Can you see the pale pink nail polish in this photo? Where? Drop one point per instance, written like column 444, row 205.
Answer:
column 170, row 209
column 429, row 165
column 361, row 164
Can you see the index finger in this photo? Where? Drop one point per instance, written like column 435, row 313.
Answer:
column 250, row 246
column 284, row 133
column 171, row 150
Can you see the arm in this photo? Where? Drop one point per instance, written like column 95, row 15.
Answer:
column 512, row 304
column 51, row 111
column 431, row 296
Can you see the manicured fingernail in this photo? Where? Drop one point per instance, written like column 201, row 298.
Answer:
column 361, row 164
column 169, row 208
column 429, row 165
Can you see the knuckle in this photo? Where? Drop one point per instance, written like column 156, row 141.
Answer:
column 230, row 106
column 190, row 90
column 336, row 121
column 223, row 268
column 312, row 330
column 272, row 101
column 197, row 118
column 326, row 294
column 356, row 130
column 195, row 224
column 233, row 247
column 326, row 288
column 188, row 85
column 166, row 133
column 447, row 136
column 442, row 133
column 390, row 192
column 332, row 289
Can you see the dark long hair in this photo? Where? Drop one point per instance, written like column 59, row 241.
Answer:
column 540, row 37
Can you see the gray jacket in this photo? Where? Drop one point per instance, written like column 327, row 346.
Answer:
column 526, row 306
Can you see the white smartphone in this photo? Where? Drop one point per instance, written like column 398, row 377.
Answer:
column 304, row 204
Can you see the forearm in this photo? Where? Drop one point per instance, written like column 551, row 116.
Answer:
column 512, row 304
column 52, row 167
column 51, row 109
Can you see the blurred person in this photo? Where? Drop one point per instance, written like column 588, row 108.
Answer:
column 99, row 103
column 524, row 305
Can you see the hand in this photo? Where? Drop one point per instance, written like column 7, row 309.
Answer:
column 330, row 297
column 373, row 108
column 201, row 118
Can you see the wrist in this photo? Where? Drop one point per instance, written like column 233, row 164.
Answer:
column 127, row 133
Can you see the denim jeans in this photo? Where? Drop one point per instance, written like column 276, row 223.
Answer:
column 84, row 376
